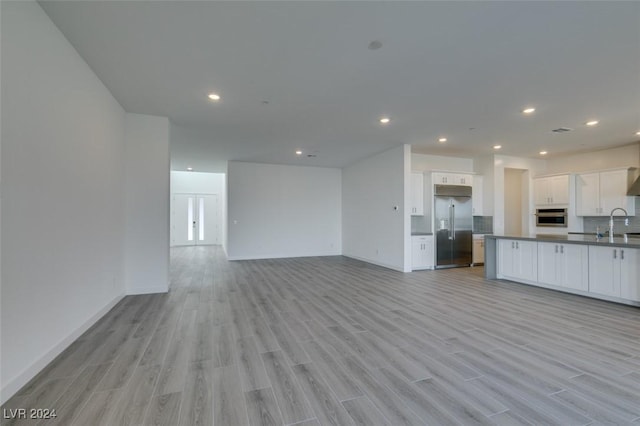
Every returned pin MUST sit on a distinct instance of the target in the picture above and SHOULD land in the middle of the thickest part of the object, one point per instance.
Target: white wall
(197, 183)
(625, 156)
(62, 189)
(423, 162)
(283, 211)
(147, 204)
(373, 229)
(203, 183)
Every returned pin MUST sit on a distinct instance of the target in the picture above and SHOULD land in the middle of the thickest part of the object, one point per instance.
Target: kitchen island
(580, 264)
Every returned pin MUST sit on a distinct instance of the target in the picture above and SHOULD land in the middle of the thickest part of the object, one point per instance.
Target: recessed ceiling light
(637, 133)
(214, 96)
(385, 120)
(592, 122)
(442, 140)
(528, 110)
(497, 146)
(190, 169)
(298, 152)
(543, 152)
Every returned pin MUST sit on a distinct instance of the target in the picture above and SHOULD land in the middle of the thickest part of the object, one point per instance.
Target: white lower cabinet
(563, 265)
(518, 260)
(615, 271)
(422, 252)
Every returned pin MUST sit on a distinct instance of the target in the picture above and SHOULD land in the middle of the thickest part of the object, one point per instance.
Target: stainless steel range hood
(634, 189)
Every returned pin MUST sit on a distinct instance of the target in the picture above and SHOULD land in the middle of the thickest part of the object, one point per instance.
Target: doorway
(195, 219)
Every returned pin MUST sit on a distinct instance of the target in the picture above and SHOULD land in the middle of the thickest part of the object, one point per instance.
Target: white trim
(147, 290)
(14, 385)
(384, 265)
(280, 256)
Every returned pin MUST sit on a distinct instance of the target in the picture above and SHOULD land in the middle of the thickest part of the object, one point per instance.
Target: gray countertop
(573, 239)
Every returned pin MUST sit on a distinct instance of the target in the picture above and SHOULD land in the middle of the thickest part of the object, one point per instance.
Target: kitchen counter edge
(571, 239)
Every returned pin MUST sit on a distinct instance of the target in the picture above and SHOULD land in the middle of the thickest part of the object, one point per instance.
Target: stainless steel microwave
(551, 217)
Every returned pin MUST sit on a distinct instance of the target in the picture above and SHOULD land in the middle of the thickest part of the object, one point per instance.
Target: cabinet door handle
(517, 245)
(615, 253)
(561, 249)
(621, 254)
(556, 248)
(513, 244)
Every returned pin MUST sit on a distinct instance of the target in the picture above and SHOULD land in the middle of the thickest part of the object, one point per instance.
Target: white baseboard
(15, 384)
(147, 290)
(281, 256)
(384, 265)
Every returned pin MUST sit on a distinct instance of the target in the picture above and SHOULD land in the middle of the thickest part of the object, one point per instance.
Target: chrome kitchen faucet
(626, 221)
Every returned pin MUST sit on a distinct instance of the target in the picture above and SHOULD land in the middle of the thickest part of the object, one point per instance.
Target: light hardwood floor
(333, 341)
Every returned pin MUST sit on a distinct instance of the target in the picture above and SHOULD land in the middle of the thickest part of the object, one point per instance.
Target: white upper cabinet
(587, 194)
(417, 194)
(613, 191)
(476, 196)
(443, 178)
(551, 190)
(598, 193)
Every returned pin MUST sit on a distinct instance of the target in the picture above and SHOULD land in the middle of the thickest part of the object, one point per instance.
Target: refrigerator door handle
(453, 220)
(450, 224)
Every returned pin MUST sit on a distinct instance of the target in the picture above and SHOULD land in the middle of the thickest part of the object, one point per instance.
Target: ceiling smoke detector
(561, 130)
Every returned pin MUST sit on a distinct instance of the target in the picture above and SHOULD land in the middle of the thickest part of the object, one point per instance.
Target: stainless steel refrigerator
(453, 223)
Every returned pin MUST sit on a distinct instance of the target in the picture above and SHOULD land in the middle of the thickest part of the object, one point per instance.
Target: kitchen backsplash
(590, 224)
(420, 224)
(483, 224)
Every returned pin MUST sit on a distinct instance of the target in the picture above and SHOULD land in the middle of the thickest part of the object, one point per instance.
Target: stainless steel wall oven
(551, 218)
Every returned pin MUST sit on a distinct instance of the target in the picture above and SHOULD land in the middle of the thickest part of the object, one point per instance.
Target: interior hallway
(336, 341)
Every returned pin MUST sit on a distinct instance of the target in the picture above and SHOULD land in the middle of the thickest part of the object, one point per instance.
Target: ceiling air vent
(561, 130)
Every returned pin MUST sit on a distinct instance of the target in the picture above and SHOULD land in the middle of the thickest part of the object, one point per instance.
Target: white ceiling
(459, 69)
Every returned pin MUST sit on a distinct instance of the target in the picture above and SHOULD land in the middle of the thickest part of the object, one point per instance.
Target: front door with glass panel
(195, 219)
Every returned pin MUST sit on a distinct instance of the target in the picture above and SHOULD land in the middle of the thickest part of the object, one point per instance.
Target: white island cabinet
(615, 271)
(518, 260)
(563, 265)
(580, 264)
